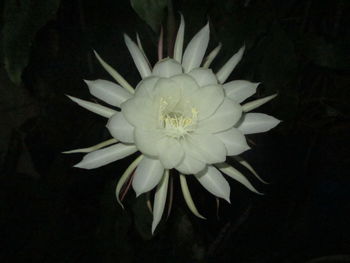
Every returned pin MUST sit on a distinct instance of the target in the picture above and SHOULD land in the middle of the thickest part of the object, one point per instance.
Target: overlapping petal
(167, 68)
(257, 122)
(240, 90)
(120, 128)
(203, 76)
(234, 141)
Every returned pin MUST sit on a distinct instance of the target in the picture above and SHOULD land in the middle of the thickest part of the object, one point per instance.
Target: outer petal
(195, 50)
(147, 175)
(203, 76)
(179, 42)
(190, 165)
(120, 128)
(239, 90)
(159, 200)
(251, 105)
(212, 55)
(230, 65)
(93, 107)
(114, 74)
(108, 91)
(212, 180)
(187, 196)
(139, 59)
(105, 156)
(206, 148)
(206, 100)
(187, 84)
(235, 142)
(167, 68)
(170, 152)
(236, 175)
(257, 122)
(146, 140)
(141, 112)
(224, 118)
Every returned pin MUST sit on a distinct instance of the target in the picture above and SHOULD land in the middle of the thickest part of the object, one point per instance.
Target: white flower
(180, 116)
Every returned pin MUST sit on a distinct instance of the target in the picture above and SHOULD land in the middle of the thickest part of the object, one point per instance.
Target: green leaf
(22, 20)
(151, 11)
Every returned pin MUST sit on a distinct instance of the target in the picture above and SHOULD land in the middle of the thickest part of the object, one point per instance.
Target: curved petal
(257, 122)
(214, 182)
(230, 65)
(120, 128)
(147, 175)
(195, 50)
(186, 83)
(146, 140)
(105, 156)
(108, 91)
(93, 107)
(170, 152)
(94, 147)
(125, 176)
(167, 68)
(139, 59)
(206, 100)
(146, 86)
(212, 55)
(159, 200)
(236, 175)
(190, 165)
(141, 112)
(179, 42)
(224, 118)
(251, 105)
(235, 142)
(118, 78)
(240, 90)
(187, 196)
(250, 168)
(206, 148)
(203, 76)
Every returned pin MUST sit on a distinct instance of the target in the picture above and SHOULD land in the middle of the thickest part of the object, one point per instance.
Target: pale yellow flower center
(176, 122)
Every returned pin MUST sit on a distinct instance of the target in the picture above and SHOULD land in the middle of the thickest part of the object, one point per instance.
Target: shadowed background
(51, 212)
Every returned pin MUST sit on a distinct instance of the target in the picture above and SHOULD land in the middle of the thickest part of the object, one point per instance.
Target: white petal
(230, 65)
(125, 176)
(167, 68)
(235, 142)
(93, 107)
(206, 148)
(203, 76)
(114, 74)
(257, 122)
(257, 103)
(188, 198)
(139, 59)
(159, 200)
(186, 83)
(146, 86)
(120, 128)
(190, 165)
(179, 42)
(236, 175)
(140, 112)
(212, 55)
(224, 118)
(105, 156)
(250, 168)
(212, 180)
(207, 100)
(146, 140)
(147, 175)
(170, 152)
(239, 90)
(141, 48)
(108, 91)
(195, 50)
(93, 148)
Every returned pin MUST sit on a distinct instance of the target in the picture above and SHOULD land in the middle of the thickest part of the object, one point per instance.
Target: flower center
(177, 121)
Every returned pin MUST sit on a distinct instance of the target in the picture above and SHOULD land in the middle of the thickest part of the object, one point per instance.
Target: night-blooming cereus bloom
(180, 116)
